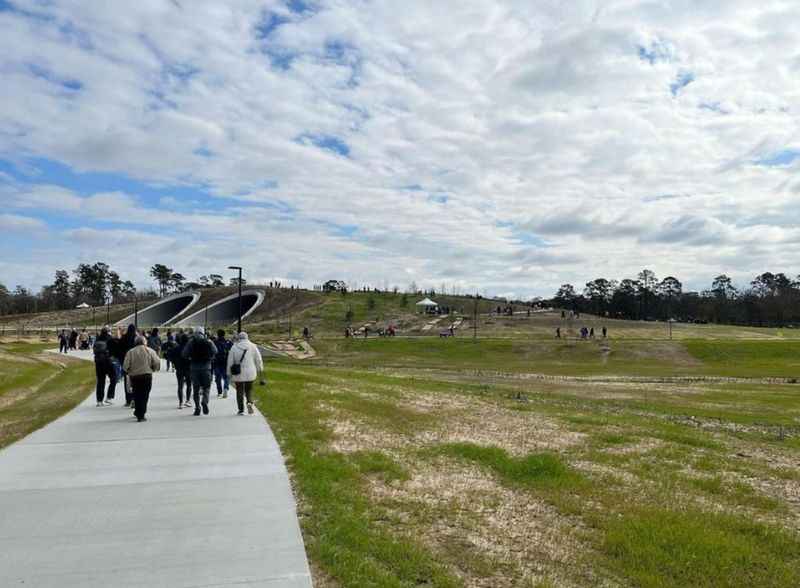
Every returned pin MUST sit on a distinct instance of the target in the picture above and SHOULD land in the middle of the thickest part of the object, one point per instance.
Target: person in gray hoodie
(200, 351)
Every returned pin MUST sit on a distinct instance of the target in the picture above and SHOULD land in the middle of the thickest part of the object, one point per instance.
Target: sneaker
(142, 419)
(196, 412)
(250, 407)
(240, 413)
(225, 394)
(219, 395)
(127, 405)
(180, 406)
(205, 408)
(99, 404)
(109, 402)
(187, 404)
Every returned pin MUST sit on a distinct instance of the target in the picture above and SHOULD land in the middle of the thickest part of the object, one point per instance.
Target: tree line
(770, 299)
(97, 284)
(93, 284)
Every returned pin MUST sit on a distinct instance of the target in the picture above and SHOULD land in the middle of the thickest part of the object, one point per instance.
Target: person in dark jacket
(181, 365)
(154, 341)
(200, 351)
(126, 343)
(221, 364)
(63, 342)
(104, 367)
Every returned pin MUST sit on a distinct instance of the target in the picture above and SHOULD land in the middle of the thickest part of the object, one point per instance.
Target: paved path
(96, 499)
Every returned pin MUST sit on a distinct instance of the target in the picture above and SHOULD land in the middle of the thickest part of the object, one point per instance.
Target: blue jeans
(221, 377)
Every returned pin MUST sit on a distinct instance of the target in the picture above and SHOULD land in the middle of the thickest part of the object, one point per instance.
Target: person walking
(181, 366)
(221, 364)
(140, 363)
(63, 342)
(244, 366)
(167, 348)
(73, 340)
(126, 343)
(154, 341)
(200, 352)
(104, 368)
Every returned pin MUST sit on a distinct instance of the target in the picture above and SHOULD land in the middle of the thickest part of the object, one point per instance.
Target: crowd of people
(197, 360)
(585, 332)
(74, 340)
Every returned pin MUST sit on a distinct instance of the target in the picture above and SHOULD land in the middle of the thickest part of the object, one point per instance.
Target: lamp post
(136, 309)
(239, 269)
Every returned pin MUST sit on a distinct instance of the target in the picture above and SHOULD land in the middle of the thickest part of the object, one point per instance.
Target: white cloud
(22, 224)
(535, 118)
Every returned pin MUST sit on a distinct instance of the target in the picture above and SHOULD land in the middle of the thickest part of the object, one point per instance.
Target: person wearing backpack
(182, 374)
(221, 364)
(200, 352)
(244, 365)
(104, 368)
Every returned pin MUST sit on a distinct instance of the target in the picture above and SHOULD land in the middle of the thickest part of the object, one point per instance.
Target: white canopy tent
(427, 304)
(83, 305)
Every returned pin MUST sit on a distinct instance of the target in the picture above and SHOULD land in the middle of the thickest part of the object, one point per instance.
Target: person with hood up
(200, 351)
(102, 350)
(181, 365)
(244, 366)
(140, 363)
(126, 343)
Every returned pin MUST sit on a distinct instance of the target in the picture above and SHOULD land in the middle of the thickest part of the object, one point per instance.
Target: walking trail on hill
(97, 499)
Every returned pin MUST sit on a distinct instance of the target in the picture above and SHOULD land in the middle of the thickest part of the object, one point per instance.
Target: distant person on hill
(154, 341)
(63, 342)
(126, 343)
(558, 332)
(306, 333)
(563, 314)
(366, 331)
(182, 374)
(244, 365)
(591, 333)
(221, 364)
(83, 340)
(104, 367)
(140, 363)
(605, 332)
(73, 340)
(200, 352)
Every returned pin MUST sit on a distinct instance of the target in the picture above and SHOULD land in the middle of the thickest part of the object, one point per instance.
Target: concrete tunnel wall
(163, 311)
(225, 312)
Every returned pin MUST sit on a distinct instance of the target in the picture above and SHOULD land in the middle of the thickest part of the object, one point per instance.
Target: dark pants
(201, 387)
(105, 369)
(221, 377)
(128, 392)
(141, 393)
(184, 381)
(62, 346)
(243, 389)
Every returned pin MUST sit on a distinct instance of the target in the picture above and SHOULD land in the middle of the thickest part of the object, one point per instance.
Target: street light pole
(136, 309)
(239, 324)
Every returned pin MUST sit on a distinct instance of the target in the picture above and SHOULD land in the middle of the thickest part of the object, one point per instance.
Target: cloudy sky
(501, 145)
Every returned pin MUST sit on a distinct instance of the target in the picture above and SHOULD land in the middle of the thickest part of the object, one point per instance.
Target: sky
(498, 146)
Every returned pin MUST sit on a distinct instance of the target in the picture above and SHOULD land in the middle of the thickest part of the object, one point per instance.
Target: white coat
(252, 364)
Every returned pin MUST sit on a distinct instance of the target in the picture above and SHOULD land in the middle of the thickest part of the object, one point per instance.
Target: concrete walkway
(97, 499)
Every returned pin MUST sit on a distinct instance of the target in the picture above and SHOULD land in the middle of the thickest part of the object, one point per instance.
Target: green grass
(344, 534)
(748, 358)
(655, 548)
(535, 470)
(42, 394)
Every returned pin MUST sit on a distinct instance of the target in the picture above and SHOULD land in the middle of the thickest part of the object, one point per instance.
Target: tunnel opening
(225, 312)
(163, 311)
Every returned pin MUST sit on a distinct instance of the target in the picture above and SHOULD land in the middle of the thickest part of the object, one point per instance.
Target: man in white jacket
(244, 366)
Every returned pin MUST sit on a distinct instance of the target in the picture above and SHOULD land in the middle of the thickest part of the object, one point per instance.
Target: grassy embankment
(36, 388)
(412, 468)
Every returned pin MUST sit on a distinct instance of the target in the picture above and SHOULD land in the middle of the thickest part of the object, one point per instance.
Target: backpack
(223, 347)
(201, 351)
(100, 349)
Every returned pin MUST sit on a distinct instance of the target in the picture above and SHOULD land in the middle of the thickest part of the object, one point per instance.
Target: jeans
(243, 389)
(184, 381)
(201, 387)
(141, 393)
(221, 377)
(62, 346)
(105, 369)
